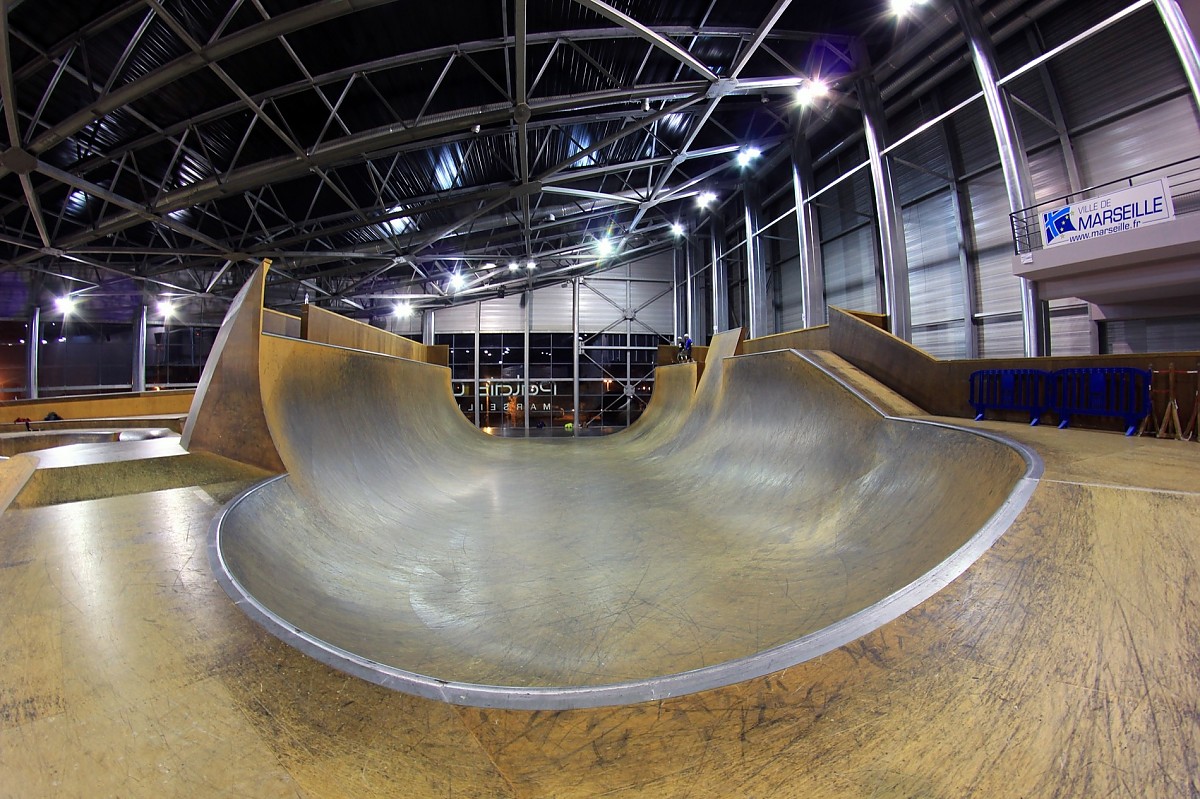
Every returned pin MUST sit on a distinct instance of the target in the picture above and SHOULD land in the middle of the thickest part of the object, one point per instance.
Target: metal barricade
(1123, 392)
(1010, 390)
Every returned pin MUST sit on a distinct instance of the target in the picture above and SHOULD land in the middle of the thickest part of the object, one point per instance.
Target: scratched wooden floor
(1064, 663)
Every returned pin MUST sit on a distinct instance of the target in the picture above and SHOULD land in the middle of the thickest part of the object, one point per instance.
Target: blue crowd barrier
(1010, 390)
(1113, 391)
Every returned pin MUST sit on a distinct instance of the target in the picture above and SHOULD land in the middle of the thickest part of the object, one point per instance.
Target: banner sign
(1137, 206)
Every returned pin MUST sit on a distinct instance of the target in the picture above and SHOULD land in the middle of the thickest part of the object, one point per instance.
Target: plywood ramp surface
(777, 507)
(1062, 663)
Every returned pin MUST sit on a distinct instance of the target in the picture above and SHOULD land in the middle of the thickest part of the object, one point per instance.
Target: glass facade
(175, 354)
(12, 360)
(82, 357)
(616, 378)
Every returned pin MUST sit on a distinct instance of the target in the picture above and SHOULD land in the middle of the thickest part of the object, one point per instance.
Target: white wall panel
(850, 274)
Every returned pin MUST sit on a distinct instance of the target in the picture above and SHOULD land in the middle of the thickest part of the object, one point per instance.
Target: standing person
(687, 346)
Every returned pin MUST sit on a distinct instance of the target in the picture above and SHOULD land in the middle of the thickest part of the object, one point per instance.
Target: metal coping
(652, 689)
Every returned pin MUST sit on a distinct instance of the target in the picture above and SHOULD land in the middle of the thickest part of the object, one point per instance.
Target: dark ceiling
(375, 148)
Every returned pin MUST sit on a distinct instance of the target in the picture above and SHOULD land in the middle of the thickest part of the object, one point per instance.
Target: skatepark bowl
(757, 520)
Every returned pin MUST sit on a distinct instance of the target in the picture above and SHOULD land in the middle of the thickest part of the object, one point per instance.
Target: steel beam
(894, 266)
(1013, 161)
(756, 270)
(646, 33)
(812, 270)
(1182, 18)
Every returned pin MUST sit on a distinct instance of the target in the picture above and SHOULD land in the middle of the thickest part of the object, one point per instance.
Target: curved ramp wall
(782, 517)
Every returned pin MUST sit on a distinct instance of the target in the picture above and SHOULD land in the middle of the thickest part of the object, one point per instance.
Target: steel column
(528, 331)
(812, 269)
(575, 345)
(478, 317)
(720, 275)
(139, 350)
(756, 270)
(1013, 161)
(1182, 18)
(32, 352)
(692, 287)
(887, 211)
(428, 327)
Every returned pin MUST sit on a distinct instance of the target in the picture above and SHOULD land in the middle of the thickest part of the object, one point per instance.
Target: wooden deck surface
(1065, 662)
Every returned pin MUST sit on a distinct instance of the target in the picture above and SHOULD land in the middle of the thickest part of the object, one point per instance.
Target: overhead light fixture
(811, 91)
(902, 8)
(457, 281)
(604, 246)
(489, 266)
(676, 229)
(514, 266)
(531, 265)
(65, 304)
(402, 310)
(166, 308)
(705, 199)
(747, 156)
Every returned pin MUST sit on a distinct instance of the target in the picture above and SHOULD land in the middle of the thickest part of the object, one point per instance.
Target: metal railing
(1183, 178)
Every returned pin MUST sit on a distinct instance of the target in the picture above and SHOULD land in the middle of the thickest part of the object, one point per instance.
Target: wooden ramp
(779, 518)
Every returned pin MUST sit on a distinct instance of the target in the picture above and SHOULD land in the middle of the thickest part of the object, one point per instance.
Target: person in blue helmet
(685, 348)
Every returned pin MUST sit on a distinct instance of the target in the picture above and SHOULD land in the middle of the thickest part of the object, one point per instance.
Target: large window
(82, 357)
(175, 354)
(616, 378)
(12, 360)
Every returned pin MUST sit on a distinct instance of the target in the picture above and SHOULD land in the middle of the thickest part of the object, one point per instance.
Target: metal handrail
(1020, 220)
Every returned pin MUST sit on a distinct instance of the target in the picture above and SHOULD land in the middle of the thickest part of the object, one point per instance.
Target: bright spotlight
(403, 310)
(531, 265)
(747, 156)
(705, 199)
(604, 246)
(457, 281)
(65, 305)
(812, 91)
(514, 266)
(676, 229)
(166, 308)
(903, 8)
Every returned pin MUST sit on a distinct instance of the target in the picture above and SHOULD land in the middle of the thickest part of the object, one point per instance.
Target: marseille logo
(1057, 223)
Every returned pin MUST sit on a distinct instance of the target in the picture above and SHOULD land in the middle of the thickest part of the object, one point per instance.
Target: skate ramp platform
(766, 518)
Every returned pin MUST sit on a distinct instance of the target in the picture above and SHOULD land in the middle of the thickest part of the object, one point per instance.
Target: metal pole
(756, 270)
(478, 315)
(720, 275)
(891, 227)
(692, 307)
(1183, 22)
(679, 310)
(528, 330)
(575, 344)
(139, 350)
(428, 327)
(32, 351)
(1013, 161)
(812, 269)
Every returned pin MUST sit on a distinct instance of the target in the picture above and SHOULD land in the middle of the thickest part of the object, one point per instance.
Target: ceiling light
(531, 265)
(514, 266)
(166, 308)
(489, 266)
(457, 281)
(705, 199)
(811, 91)
(676, 229)
(403, 310)
(903, 8)
(604, 246)
(748, 155)
(64, 304)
